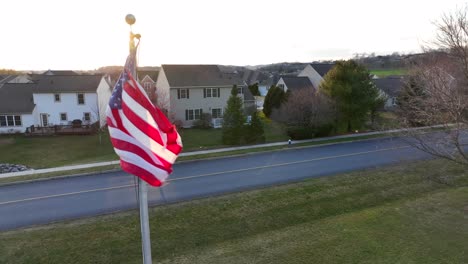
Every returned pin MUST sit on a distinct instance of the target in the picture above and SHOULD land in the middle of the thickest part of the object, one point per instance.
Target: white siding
(197, 101)
(163, 93)
(45, 104)
(282, 83)
(104, 92)
(27, 120)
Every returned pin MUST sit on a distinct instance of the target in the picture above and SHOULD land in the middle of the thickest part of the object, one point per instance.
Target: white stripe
(147, 141)
(118, 134)
(136, 160)
(111, 116)
(140, 111)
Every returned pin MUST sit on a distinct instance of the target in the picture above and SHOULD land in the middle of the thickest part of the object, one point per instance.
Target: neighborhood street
(54, 200)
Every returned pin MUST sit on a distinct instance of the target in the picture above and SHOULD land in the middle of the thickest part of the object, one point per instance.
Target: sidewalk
(192, 153)
(201, 152)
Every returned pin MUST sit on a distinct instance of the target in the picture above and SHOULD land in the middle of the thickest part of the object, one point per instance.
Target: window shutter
(188, 94)
(178, 93)
(219, 93)
(201, 112)
(204, 92)
(186, 114)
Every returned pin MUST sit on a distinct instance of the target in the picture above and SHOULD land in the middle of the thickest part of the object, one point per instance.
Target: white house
(61, 99)
(53, 100)
(188, 91)
(17, 109)
(316, 72)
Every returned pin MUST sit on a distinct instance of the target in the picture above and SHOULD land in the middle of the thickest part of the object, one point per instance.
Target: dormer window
(56, 97)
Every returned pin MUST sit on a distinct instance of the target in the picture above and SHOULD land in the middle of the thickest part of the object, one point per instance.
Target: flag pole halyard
(142, 185)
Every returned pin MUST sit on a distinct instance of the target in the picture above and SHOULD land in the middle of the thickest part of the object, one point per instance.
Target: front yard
(408, 213)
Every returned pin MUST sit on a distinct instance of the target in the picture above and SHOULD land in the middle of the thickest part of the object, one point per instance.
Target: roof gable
(153, 75)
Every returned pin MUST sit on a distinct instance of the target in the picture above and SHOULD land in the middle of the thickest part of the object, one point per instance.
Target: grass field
(410, 213)
(387, 72)
(54, 151)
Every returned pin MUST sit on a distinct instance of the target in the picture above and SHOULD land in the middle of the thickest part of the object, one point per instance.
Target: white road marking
(205, 175)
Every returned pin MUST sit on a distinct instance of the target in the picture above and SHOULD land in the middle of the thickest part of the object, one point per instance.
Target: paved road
(48, 201)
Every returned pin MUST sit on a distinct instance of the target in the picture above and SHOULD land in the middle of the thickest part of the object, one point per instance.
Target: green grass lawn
(387, 72)
(409, 213)
(54, 151)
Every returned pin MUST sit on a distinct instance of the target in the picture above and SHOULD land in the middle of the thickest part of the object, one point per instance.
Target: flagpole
(142, 185)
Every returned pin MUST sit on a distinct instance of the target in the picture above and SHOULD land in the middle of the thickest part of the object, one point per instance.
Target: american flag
(143, 137)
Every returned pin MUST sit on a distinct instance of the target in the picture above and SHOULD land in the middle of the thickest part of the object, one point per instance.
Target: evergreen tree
(273, 99)
(254, 89)
(233, 119)
(355, 95)
(254, 131)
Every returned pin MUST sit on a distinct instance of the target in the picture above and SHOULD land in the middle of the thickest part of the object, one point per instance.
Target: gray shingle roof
(392, 86)
(322, 68)
(16, 98)
(199, 75)
(297, 83)
(67, 83)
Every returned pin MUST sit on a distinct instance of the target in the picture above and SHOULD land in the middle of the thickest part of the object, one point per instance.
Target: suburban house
(316, 72)
(53, 100)
(148, 82)
(390, 87)
(291, 83)
(188, 91)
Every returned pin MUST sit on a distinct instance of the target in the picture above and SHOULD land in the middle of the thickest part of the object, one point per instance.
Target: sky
(88, 34)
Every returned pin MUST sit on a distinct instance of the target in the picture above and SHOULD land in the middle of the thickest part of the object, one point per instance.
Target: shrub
(204, 122)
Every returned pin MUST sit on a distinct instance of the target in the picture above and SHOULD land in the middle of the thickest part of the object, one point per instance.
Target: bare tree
(436, 92)
(305, 108)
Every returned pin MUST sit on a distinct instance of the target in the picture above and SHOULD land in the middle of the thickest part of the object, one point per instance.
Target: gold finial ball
(130, 19)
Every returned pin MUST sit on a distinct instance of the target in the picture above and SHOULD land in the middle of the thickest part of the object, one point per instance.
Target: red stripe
(141, 124)
(155, 112)
(127, 146)
(158, 116)
(140, 172)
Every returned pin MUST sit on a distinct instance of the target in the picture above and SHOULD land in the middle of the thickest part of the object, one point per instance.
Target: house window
(281, 86)
(87, 116)
(211, 92)
(183, 93)
(81, 99)
(216, 113)
(193, 114)
(56, 97)
(10, 120)
(63, 117)
(147, 87)
(394, 101)
(240, 90)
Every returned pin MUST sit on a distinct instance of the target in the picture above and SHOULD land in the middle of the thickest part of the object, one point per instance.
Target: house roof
(199, 75)
(6, 78)
(297, 83)
(152, 74)
(322, 68)
(67, 83)
(16, 98)
(53, 72)
(392, 86)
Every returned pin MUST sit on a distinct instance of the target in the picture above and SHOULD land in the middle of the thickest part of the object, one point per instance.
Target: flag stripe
(142, 173)
(143, 137)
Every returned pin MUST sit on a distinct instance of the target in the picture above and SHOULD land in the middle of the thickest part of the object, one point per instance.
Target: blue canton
(115, 101)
